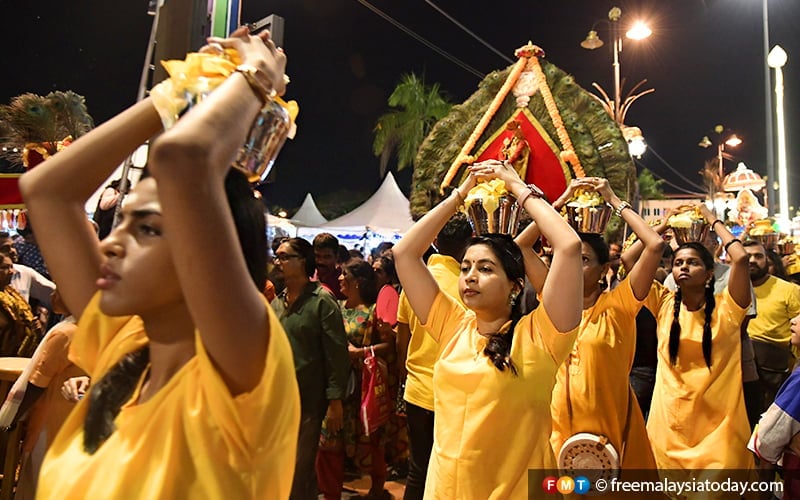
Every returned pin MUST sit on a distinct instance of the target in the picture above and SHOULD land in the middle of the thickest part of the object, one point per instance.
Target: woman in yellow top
(496, 369)
(592, 393)
(193, 392)
(697, 419)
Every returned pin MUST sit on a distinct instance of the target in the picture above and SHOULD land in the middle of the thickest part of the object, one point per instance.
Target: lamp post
(732, 140)
(616, 106)
(770, 188)
(776, 60)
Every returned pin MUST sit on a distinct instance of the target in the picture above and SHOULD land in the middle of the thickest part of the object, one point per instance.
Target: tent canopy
(308, 214)
(387, 211)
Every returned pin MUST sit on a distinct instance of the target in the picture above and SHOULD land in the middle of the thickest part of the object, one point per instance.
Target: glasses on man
(286, 257)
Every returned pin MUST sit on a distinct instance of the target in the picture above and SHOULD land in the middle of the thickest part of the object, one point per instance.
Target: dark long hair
(675, 328)
(108, 394)
(364, 275)
(498, 348)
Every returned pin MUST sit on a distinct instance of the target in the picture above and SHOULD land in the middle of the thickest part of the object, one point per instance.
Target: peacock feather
(46, 120)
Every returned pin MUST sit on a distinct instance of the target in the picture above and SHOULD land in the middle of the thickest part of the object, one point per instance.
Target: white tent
(385, 216)
(285, 225)
(386, 211)
(308, 214)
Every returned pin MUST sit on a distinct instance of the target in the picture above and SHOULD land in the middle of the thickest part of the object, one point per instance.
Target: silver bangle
(622, 206)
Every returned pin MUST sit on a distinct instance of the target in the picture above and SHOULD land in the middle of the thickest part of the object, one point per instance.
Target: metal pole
(614, 15)
(720, 148)
(768, 113)
(783, 179)
(124, 182)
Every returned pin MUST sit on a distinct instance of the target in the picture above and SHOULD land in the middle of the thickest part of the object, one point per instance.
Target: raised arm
(739, 277)
(642, 272)
(418, 283)
(190, 162)
(535, 268)
(566, 266)
(56, 191)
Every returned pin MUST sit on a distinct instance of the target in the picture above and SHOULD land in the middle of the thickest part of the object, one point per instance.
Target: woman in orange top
(496, 368)
(698, 426)
(592, 392)
(193, 392)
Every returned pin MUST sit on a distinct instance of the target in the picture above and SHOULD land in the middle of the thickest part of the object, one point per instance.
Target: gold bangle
(249, 73)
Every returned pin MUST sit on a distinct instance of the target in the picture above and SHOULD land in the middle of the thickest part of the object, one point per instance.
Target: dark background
(705, 59)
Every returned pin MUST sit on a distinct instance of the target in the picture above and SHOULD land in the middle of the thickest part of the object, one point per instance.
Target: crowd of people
(206, 370)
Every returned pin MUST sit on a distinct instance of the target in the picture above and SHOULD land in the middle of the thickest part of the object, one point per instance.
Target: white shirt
(30, 283)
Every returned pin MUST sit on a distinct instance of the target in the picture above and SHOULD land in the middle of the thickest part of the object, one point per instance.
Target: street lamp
(770, 191)
(776, 60)
(616, 107)
(732, 140)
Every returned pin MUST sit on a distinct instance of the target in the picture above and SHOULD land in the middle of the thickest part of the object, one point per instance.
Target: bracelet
(524, 198)
(715, 221)
(249, 73)
(533, 190)
(735, 240)
(622, 206)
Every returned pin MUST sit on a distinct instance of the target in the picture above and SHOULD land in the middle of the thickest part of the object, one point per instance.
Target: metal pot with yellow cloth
(491, 208)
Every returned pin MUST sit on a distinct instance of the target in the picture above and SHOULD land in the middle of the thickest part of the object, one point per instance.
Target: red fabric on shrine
(9, 191)
(544, 168)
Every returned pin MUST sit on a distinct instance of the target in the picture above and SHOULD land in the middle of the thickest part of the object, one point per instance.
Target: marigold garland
(528, 59)
(568, 153)
(464, 156)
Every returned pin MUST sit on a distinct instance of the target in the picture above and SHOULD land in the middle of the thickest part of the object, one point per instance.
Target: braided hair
(498, 347)
(710, 301)
(107, 395)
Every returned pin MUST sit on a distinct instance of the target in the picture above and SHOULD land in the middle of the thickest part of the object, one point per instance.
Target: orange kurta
(491, 427)
(192, 439)
(599, 390)
(697, 418)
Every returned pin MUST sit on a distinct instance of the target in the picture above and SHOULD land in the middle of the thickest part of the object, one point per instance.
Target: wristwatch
(533, 190)
(254, 77)
(537, 192)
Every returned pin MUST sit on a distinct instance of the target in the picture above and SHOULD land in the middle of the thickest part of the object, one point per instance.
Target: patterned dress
(359, 325)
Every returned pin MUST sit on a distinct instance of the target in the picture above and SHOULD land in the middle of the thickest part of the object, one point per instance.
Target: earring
(512, 297)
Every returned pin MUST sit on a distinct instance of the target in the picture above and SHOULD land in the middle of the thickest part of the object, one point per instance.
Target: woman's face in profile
(137, 275)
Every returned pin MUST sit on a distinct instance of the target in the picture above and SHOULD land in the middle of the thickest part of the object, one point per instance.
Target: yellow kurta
(491, 427)
(191, 440)
(599, 389)
(697, 417)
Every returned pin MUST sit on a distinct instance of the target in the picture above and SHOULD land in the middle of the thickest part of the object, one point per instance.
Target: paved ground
(361, 487)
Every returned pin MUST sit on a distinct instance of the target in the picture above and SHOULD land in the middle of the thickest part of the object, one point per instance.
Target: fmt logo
(566, 484)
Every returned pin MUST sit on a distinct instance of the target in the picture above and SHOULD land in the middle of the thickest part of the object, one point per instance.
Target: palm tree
(416, 108)
(650, 187)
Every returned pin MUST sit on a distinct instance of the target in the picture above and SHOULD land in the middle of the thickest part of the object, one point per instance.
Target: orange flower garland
(528, 58)
(568, 153)
(464, 156)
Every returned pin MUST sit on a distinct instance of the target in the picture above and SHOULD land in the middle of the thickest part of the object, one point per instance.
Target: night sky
(705, 60)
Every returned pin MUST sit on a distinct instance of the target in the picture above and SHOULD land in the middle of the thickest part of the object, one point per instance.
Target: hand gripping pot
(193, 79)
(491, 208)
(590, 455)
